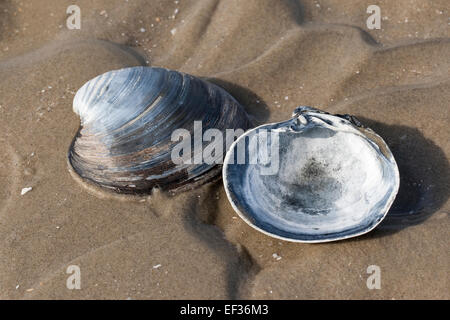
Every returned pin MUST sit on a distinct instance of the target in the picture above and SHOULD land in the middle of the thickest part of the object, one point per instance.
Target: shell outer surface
(128, 117)
(329, 178)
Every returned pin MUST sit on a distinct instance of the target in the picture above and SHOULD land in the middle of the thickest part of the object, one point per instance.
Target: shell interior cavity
(328, 178)
(128, 118)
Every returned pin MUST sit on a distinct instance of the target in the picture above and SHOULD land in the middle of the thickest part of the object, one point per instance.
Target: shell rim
(244, 217)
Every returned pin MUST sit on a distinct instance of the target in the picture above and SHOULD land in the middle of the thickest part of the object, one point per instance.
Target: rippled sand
(272, 56)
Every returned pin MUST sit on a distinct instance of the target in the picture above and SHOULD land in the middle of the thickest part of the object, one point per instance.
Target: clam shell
(127, 119)
(328, 178)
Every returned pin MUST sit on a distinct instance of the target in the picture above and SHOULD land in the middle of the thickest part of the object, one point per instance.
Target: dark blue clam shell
(127, 120)
(327, 178)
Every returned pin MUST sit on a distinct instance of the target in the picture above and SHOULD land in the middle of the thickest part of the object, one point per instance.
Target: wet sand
(272, 56)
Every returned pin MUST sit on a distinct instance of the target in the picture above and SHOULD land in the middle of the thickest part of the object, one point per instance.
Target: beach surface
(272, 56)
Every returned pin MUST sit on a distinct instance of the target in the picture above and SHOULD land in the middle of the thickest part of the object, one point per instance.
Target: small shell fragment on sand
(276, 256)
(25, 190)
(157, 266)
